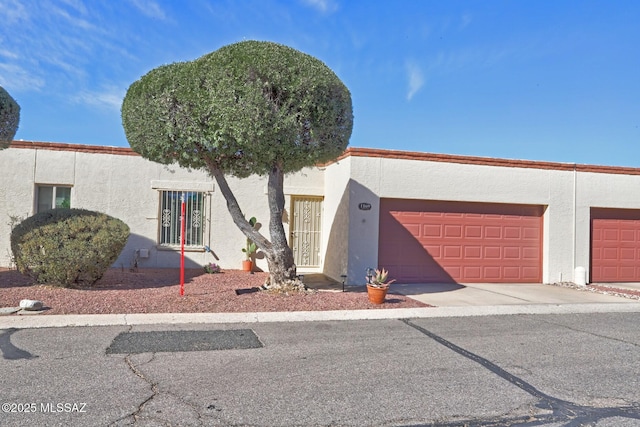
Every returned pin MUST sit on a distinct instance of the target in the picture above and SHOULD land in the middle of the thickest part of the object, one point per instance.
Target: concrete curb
(59, 321)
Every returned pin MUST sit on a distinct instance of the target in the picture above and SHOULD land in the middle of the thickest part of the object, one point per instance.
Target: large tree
(9, 118)
(248, 108)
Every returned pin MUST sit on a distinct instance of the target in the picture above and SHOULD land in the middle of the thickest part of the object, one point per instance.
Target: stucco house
(425, 217)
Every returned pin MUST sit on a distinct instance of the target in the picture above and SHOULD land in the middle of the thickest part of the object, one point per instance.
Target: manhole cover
(178, 341)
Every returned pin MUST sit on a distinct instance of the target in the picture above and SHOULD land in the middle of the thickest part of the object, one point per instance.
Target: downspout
(579, 272)
(575, 219)
(34, 206)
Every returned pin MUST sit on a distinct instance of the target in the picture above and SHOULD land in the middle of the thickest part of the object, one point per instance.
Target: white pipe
(575, 207)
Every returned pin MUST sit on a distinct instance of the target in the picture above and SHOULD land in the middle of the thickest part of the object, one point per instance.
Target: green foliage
(243, 109)
(379, 279)
(9, 118)
(251, 247)
(67, 246)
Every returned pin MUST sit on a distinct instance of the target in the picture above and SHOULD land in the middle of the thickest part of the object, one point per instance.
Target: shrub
(212, 268)
(67, 246)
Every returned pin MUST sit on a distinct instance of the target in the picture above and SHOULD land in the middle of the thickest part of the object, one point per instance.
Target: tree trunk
(282, 269)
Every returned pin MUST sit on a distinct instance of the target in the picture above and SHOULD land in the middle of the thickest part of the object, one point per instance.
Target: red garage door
(427, 241)
(615, 245)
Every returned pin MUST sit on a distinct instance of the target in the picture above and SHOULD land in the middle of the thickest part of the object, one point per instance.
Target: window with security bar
(170, 210)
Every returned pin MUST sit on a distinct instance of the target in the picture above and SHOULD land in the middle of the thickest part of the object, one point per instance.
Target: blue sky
(544, 80)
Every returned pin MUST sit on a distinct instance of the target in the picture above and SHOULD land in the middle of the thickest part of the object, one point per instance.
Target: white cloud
(150, 8)
(324, 6)
(20, 79)
(7, 53)
(109, 98)
(77, 5)
(415, 79)
(13, 11)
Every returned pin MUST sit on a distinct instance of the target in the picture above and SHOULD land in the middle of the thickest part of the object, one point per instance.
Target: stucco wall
(124, 185)
(566, 194)
(601, 191)
(336, 220)
(127, 187)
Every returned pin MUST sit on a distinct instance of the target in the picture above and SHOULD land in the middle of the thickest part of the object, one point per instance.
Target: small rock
(31, 305)
(5, 311)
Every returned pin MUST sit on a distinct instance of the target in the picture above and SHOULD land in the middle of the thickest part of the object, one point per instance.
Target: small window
(170, 211)
(53, 197)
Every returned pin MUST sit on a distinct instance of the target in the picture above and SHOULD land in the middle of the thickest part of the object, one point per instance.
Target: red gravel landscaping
(158, 291)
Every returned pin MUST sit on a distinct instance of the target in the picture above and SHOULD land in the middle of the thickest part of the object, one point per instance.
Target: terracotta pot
(376, 295)
(247, 265)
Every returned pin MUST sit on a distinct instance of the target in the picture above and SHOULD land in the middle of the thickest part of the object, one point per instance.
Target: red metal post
(183, 211)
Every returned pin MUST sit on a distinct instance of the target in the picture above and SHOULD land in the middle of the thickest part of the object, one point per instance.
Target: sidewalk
(489, 294)
(450, 300)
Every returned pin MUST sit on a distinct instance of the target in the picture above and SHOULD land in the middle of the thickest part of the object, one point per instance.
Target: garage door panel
(453, 231)
(530, 253)
(452, 252)
(627, 273)
(473, 232)
(491, 273)
(610, 254)
(627, 254)
(473, 273)
(414, 229)
(627, 235)
(493, 216)
(434, 251)
(512, 233)
(492, 232)
(615, 245)
(531, 233)
(511, 252)
(492, 252)
(464, 242)
(530, 273)
(512, 273)
(471, 252)
(430, 230)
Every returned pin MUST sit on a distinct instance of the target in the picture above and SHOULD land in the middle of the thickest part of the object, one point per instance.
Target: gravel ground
(158, 291)
(603, 289)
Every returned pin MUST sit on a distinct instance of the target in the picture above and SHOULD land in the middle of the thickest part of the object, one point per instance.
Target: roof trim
(368, 152)
(483, 161)
(78, 148)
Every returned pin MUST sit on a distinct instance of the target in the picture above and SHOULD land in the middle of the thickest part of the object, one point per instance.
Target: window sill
(177, 248)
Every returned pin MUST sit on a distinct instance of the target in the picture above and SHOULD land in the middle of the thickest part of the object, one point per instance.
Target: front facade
(424, 217)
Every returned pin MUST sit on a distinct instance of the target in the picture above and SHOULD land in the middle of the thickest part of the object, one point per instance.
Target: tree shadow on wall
(405, 257)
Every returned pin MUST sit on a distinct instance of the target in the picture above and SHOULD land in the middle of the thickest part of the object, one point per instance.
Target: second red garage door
(615, 245)
(431, 241)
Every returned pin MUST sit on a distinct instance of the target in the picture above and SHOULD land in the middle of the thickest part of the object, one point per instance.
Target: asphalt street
(527, 370)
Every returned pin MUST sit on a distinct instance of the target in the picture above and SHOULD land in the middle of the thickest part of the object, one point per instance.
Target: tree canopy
(247, 108)
(9, 118)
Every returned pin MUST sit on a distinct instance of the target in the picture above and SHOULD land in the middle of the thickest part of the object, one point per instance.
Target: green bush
(67, 246)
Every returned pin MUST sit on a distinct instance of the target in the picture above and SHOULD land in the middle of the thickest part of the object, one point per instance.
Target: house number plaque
(364, 206)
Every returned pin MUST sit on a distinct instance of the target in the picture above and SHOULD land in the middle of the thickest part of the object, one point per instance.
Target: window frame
(169, 205)
(53, 202)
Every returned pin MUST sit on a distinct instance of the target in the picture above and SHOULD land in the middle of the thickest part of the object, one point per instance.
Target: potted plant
(377, 285)
(249, 249)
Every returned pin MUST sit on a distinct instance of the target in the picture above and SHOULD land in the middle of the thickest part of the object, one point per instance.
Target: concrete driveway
(491, 294)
